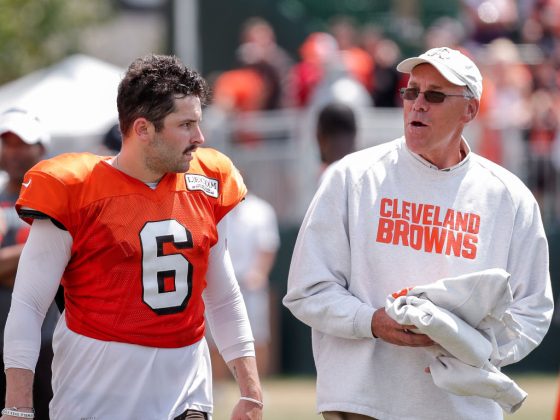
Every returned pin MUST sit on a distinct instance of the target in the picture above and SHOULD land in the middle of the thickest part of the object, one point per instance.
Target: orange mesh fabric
(139, 256)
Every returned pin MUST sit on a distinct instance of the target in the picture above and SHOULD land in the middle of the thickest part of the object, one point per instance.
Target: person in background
(259, 83)
(359, 63)
(259, 48)
(323, 75)
(3, 225)
(112, 141)
(336, 133)
(253, 228)
(242, 89)
(387, 79)
(411, 213)
(488, 20)
(253, 233)
(318, 51)
(24, 143)
(139, 242)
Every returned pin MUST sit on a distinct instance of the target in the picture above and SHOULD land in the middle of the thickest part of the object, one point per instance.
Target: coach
(409, 213)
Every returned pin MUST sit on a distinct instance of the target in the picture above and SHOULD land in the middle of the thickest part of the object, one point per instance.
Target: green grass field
(293, 398)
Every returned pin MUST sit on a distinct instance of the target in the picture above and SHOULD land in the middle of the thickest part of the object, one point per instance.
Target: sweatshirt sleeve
(320, 269)
(532, 305)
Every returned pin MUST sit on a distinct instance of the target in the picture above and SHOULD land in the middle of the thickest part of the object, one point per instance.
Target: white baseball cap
(452, 64)
(24, 125)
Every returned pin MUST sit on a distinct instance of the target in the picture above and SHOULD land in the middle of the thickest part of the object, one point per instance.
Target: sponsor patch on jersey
(202, 183)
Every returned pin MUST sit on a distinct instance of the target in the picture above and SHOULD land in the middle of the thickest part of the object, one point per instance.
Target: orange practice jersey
(139, 256)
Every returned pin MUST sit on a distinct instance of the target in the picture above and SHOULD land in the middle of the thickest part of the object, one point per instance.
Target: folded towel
(487, 382)
(449, 331)
(463, 315)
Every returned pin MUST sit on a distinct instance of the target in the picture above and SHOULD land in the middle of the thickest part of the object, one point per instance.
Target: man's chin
(414, 143)
(184, 167)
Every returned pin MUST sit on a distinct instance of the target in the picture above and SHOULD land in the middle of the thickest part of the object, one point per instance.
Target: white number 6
(157, 267)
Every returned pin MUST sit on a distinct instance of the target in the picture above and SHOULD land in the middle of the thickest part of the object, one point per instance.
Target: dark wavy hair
(151, 85)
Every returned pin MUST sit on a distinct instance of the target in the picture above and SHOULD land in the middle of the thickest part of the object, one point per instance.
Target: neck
(134, 169)
(462, 154)
(447, 159)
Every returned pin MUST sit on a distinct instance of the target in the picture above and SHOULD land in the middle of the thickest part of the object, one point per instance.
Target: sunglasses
(432, 96)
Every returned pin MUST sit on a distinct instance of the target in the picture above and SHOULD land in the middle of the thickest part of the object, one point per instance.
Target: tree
(36, 33)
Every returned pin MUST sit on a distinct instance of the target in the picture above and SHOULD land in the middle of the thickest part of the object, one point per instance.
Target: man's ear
(142, 128)
(472, 109)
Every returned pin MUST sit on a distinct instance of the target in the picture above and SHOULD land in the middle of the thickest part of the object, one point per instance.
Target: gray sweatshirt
(385, 219)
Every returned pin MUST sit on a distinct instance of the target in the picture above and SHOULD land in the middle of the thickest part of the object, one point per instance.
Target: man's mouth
(417, 124)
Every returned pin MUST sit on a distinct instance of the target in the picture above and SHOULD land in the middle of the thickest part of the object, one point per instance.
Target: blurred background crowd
(273, 65)
(516, 44)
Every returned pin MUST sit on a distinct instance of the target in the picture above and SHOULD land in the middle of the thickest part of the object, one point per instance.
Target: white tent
(75, 99)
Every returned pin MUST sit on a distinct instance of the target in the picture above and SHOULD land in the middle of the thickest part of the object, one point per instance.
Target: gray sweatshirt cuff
(362, 321)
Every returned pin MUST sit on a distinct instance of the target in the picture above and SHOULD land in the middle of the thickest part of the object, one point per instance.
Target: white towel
(487, 382)
(472, 297)
(449, 331)
(461, 314)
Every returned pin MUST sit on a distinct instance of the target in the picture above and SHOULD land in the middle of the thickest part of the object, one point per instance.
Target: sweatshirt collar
(465, 148)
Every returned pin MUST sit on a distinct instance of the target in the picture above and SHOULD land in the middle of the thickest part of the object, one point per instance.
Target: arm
(530, 284)
(320, 269)
(43, 260)
(228, 321)
(318, 291)
(19, 392)
(244, 370)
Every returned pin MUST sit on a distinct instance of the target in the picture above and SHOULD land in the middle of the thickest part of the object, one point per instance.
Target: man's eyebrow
(430, 87)
(189, 120)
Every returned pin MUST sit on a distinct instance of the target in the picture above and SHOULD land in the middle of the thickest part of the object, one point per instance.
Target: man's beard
(161, 159)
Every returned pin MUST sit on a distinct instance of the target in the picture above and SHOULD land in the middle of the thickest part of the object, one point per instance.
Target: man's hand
(244, 370)
(387, 329)
(246, 410)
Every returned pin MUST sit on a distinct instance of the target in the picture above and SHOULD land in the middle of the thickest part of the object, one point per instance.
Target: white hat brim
(407, 65)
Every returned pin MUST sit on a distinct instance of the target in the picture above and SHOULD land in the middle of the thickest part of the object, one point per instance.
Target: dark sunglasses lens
(434, 97)
(409, 94)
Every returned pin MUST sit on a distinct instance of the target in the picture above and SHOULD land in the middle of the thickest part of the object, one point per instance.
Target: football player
(138, 242)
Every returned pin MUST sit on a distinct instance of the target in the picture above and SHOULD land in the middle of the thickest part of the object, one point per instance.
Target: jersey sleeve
(42, 194)
(232, 189)
(53, 189)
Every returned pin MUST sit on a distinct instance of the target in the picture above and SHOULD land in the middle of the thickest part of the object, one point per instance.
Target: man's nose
(420, 103)
(199, 136)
